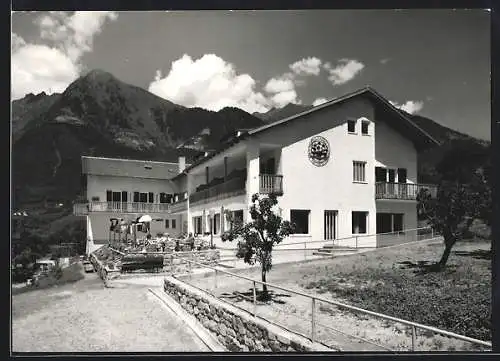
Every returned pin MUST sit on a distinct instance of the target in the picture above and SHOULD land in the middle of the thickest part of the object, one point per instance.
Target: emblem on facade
(319, 151)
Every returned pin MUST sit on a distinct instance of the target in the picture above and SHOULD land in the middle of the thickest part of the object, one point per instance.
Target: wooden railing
(227, 189)
(384, 190)
(271, 184)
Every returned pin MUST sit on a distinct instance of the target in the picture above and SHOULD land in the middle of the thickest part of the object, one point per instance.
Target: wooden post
(413, 337)
(254, 300)
(313, 321)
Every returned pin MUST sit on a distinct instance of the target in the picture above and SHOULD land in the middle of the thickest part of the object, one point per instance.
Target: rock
(275, 346)
(222, 329)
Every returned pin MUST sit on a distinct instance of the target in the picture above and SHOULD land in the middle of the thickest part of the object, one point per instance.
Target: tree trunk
(265, 292)
(446, 254)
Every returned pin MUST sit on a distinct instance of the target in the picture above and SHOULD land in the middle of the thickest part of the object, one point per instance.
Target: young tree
(463, 195)
(258, 237)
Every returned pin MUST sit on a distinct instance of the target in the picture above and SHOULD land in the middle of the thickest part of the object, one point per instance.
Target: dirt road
(87, 317)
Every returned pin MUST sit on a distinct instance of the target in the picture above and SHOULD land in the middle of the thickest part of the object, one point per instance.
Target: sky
(430, 62)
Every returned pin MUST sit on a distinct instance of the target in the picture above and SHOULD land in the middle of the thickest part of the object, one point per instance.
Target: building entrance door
(330, 225)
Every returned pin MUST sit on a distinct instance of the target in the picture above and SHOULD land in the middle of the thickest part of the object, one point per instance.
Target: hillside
(100, 115)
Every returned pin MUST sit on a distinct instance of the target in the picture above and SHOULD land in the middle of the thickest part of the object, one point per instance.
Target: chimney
(182, 164)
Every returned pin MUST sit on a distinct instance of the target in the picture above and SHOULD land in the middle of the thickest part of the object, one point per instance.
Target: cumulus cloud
(208, 82)
(51, 67)
(345, 70)
(411, 106)
(307, 66)
(319, 101)
(281, 84)
(384, 61)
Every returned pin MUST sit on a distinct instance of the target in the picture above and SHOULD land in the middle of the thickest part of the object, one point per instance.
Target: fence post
(313, 323)
(413, 337)
(356, 241)
(254, 300)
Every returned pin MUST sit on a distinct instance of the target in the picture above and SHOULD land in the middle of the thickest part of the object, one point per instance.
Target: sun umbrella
(145, 219)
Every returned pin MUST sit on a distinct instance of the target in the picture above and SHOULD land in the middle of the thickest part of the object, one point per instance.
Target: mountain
(25, 110)
(100, 115)
(282, 113)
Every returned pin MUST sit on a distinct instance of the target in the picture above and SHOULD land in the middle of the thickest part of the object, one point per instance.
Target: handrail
(344, 238)
(349, 307)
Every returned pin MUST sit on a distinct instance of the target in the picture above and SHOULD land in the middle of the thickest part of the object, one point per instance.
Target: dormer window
(364, 127)
(351, 126)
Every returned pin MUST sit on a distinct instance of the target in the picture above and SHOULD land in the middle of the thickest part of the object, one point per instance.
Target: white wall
(331, 186)
(97, 186)
(100, 222)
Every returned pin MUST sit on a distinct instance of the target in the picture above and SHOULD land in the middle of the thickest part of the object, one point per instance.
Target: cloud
(208, 82)
(307, 66)
(319, 101)
(37, 68)
(384, 61)
(345, 71)
(51, 67)
(411, 106)
(284, 83)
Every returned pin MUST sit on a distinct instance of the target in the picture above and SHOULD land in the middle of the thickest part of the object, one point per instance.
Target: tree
(258, 237)
(463, 195)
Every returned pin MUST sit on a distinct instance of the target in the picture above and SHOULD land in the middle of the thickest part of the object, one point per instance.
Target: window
(216, 223)
(389, 222)
(380, 174)
(151, 197)
(351, 126)
(300, 219)
(358, 170)
(359, 222)
(174, 223)
(136, 197)
(398, 222)
(197, 222)
(401, 175)
(95, 199)
(167, 223)
(143, 197)
(364, 127)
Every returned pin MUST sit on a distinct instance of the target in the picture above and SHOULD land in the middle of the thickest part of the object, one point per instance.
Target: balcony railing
(120, 207)
(230, 188)
(405, 191)
(271, 184)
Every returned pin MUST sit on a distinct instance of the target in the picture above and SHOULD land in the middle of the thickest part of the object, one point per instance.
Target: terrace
(402, 191)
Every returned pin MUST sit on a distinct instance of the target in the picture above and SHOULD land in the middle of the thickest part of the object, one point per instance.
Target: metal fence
(327, 321)
(307, 250)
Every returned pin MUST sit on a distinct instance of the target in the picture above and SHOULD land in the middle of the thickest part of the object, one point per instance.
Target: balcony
(402, 191)
(230, 188)
(121, 207)
(271, 184)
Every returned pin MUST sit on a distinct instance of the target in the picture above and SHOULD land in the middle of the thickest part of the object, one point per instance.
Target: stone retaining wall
(102, 270)
(175, 263)
(236, 329)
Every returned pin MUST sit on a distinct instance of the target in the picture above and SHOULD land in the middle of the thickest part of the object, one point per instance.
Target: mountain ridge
(100, 115)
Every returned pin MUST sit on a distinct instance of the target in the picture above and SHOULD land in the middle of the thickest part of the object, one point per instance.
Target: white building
(344, 168)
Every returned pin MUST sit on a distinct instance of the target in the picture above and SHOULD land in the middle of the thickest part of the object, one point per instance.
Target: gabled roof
(419, 136)
(129, 168)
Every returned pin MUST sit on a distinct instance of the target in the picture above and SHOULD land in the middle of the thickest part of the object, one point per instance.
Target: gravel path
(87, 317)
